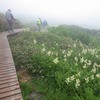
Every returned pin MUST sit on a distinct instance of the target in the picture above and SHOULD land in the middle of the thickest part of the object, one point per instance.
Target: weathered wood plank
(13, 97)
(9, 85)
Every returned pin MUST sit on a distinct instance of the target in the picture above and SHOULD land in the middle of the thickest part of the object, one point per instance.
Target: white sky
(84, 13)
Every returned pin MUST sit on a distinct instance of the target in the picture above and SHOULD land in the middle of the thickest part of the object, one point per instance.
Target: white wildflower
(55, 60)
(92, 51)
(82, 60)
(43, 50)
(79, 74)
(72, 77)
(69, 46)
(49, 53)
(56, 44)
(97, 56)
(43, 44)
(74, 45)
(94, 65)
(85, 61)
(81, 44)
(76, 59)
(69, 53)
(77, 83)
(94, 70)
(89, 62)
(84, 66)
(65, 56)
(68, 80)
(63, 51)
(34, 41)
(98, 65)
(98, 75)
(65, 59)
(92, 77)
(87, 79)
(84, 51)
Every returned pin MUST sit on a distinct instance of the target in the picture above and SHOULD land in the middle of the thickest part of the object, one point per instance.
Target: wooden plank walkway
(9, 85)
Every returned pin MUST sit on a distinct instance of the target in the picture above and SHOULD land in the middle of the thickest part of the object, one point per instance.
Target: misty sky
(85, 13)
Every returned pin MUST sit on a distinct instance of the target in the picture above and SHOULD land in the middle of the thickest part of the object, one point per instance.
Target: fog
(85, 13)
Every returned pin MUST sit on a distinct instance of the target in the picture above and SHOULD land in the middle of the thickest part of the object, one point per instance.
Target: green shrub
(26, 90)
(70, 66)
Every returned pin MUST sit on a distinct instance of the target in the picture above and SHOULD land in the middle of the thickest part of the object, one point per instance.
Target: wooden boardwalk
(9, 85)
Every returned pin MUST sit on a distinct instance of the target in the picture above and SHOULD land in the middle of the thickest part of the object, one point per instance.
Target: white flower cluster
(87, 65)
(87, 79)
(55, 60)
(69, 53)
(43, 49)
(74, 45)
(76, 59)
(77, 83)
(84, 51)
(49, 53)
(34, 41)
(98, 75)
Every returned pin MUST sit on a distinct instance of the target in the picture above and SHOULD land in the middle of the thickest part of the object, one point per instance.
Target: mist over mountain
(71, 12)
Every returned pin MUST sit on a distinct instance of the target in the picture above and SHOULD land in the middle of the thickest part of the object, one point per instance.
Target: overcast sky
(85, 13)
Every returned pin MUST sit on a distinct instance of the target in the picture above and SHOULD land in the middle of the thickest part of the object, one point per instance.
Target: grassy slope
(23, 49)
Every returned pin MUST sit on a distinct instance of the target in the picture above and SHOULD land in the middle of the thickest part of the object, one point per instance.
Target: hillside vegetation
(4, 24)
(64, 62)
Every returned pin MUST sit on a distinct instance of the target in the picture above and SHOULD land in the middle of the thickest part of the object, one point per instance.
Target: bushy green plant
(26, 90)
(73, 68)
(73, 32)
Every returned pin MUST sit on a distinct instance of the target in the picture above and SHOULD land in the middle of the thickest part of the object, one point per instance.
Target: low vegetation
(63, 63)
